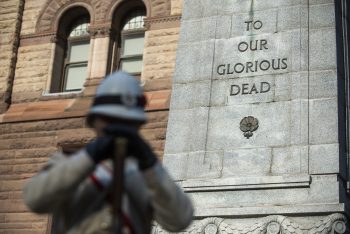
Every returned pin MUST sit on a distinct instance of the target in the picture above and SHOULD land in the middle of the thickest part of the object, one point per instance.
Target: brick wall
(24, 148)
(30, 15)
(10, 22)
(31, 72)
(159, 54)
(176, 7)
(34, 125)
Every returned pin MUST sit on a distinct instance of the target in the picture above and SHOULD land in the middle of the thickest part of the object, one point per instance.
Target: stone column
(99, 53)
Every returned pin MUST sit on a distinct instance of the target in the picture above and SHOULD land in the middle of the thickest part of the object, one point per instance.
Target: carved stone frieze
(274, 224)
(40, 38)
(154, 23)
(100, 31)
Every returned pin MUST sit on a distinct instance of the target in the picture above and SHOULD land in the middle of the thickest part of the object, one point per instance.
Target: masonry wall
(10, 23)
(34, 125)
(24, 149)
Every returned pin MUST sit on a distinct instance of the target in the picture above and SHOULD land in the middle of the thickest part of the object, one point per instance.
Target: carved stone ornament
(100, 32)
(248, 125)
(274, 224)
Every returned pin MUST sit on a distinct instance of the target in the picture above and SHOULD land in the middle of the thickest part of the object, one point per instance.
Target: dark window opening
(129, 38)
(72, 53)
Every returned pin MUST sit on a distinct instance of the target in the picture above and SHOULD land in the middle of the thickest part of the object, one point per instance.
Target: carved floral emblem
(248, 125)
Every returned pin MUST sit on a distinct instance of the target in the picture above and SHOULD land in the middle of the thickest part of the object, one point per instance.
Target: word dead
(245, 89)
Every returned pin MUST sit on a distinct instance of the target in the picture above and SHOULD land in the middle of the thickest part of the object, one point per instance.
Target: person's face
(99, 124)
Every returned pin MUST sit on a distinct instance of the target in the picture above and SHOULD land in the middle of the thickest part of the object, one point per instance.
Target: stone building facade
(34, 121)
(259, 147)
(258, 131)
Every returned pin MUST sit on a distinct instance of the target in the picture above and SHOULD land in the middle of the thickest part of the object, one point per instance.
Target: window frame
(71, 20)
(123, 35)
(118, 36)
(66, 64)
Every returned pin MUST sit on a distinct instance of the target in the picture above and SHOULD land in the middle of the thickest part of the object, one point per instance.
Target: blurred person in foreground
(77, 189)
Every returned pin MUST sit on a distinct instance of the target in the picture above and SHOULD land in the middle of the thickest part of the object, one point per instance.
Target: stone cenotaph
(253, 131)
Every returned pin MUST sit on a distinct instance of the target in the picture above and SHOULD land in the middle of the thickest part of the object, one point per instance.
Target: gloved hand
(101, 148)
(137, 147)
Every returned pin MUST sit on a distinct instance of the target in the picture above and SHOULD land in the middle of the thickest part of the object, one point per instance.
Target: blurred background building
(53, 54)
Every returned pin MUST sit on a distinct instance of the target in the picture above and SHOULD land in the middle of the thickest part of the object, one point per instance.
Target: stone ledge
(37, 39)
(295, 209)
(243, 183)
(156, 23)
(71, 108)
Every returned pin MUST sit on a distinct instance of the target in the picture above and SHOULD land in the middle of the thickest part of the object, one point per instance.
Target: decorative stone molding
(334, 224)
(274, 224)
(100, 31)
(115, 4)
(101, 11)
(40, 38)
(154, 23)
(52, 11)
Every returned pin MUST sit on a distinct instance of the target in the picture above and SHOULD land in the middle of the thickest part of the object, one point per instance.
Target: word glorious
(251, 67)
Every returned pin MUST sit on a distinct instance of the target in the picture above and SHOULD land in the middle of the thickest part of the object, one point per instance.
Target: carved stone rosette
(274, 224)
(248, 125)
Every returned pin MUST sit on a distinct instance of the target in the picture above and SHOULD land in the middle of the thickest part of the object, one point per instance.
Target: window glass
(80, 28)
(72, 52)
(75, 77)
(79, 52)
(78, 49)
(132, 39)
(133, 45)
(135, 20)
(131, 66)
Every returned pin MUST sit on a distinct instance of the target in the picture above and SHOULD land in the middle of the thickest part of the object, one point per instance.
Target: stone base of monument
(273, 224)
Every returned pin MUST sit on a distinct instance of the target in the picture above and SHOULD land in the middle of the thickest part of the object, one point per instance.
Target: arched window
(72, 52)
(77, 54)
(129, 34)
(132, 41)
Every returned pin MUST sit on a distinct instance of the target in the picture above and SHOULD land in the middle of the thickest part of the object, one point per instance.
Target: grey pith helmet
(119, 95)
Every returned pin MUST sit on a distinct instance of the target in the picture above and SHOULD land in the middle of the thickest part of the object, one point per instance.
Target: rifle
(118, 183)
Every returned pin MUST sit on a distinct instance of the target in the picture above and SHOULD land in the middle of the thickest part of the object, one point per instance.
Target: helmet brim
(136, 114)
